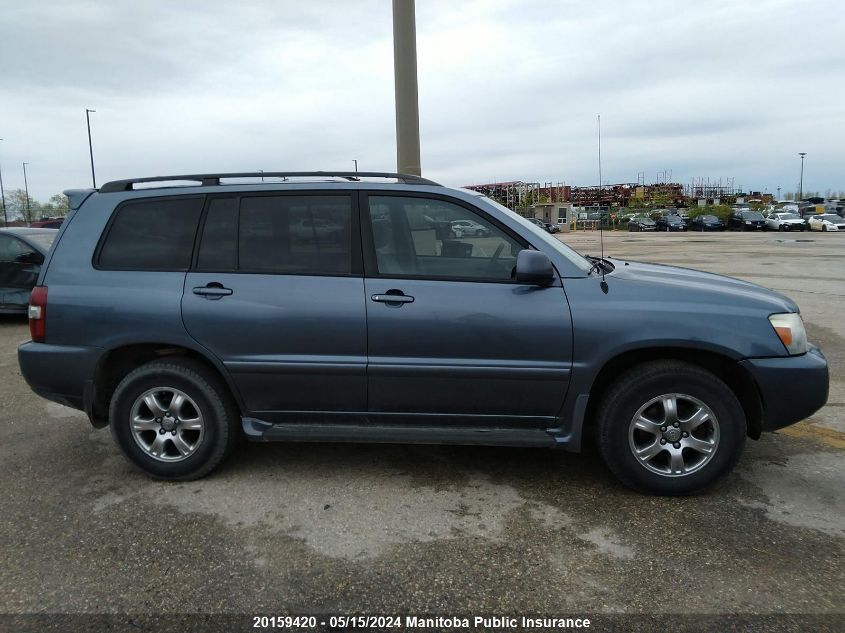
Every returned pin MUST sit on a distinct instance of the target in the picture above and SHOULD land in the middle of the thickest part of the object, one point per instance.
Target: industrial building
(518, 194)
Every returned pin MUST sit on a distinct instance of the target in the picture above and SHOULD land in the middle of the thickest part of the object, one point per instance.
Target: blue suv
(320, 306)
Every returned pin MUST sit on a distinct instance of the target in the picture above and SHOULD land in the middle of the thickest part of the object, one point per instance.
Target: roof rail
(207, 180)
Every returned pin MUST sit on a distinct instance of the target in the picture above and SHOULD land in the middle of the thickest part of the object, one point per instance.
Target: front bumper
(792, 388)
(60, 373)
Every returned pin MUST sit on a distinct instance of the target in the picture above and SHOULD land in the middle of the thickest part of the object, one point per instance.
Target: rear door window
(219, 245)
(153, 234)
(285, 234)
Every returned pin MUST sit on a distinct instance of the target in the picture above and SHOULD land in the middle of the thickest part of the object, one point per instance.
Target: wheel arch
(727, 369)
(116, 363)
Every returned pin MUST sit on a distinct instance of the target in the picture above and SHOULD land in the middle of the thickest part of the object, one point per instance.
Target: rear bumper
(59, 372)
(792, 388)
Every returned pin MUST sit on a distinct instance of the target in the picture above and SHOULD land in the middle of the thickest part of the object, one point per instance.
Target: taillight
(38, 313)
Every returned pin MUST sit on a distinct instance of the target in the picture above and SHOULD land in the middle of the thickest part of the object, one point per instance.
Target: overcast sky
(509, 90)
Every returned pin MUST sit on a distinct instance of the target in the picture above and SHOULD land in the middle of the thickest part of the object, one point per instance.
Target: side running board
(260, 431)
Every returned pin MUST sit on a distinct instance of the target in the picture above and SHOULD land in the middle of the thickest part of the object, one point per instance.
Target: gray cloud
(508, 89)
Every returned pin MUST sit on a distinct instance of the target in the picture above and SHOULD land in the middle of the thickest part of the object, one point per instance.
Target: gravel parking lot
(386, 529)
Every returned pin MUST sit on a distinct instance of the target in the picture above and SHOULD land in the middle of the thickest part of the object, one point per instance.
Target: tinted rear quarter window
(153, 234)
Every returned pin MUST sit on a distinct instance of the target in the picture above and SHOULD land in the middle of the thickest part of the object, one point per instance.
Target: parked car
(551, 228)
(744, 220)
(706, 223)
(807, 211)
(47, 223)
(213, 323)
(785, 222)
(22, 252)
(671, 223)
(662, 213)
(642, 223)
(466, 228)
(826, 222)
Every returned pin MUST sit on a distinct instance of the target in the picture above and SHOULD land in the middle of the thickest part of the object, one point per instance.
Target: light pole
(355, 160)
(26, 190)
(801, 182)
(90, 146)
(3, 199)
(405, 83)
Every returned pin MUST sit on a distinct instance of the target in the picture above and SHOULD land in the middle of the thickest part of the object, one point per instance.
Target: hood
(703, 287)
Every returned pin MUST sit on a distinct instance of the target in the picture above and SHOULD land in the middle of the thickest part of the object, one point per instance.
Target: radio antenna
(601, 216)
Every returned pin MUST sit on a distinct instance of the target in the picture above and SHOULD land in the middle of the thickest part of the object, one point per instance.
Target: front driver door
(449, 333)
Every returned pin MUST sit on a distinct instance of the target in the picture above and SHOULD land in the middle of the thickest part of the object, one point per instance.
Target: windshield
(788, 216)
(44, 240)
(674, 219)
(709, 218)
(833, 218)
(752, 215)
(573, 256)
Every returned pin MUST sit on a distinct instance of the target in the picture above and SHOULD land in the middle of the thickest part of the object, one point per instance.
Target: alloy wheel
(674, 435)
(166, 424)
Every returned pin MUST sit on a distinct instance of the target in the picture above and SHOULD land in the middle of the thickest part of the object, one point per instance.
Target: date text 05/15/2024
(364, 622)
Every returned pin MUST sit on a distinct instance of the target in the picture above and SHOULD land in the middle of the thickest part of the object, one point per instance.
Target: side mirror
(534, 267)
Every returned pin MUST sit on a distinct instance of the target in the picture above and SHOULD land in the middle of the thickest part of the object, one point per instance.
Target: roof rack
(208, 180)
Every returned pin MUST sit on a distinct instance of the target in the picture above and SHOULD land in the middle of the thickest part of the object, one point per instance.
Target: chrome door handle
(390, 298)
(212, 291)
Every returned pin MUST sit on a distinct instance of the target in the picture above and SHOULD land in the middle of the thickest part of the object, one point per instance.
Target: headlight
(748, 221)
(790, 330)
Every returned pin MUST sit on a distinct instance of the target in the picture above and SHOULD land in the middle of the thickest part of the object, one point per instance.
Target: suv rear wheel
(174, 419)
(668, 427)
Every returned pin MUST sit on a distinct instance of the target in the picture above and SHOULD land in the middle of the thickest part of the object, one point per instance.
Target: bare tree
(21, 207)
(57, 206)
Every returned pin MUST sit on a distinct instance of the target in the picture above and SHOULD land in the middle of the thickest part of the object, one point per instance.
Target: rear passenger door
(276, 292)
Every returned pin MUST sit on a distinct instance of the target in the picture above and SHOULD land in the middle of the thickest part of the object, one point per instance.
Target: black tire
(220, 416)
(638, 386)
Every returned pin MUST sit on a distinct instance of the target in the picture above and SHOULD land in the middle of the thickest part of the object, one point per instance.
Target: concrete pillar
(405, 78)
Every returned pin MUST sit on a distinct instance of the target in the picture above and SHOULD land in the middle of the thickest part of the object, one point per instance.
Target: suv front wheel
(174, 419)
(668, 427)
